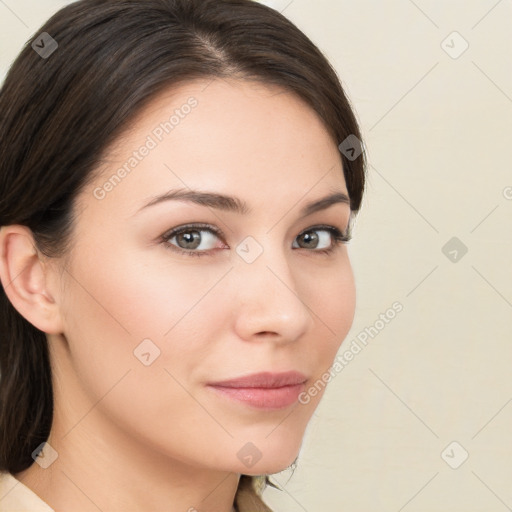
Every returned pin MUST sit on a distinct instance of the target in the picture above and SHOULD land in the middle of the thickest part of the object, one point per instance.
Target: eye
(194, 240)
(322, 239)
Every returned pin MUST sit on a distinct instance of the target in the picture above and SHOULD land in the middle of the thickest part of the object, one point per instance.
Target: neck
(101, 473)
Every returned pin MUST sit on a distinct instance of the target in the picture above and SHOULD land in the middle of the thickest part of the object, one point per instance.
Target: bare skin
(137, 437)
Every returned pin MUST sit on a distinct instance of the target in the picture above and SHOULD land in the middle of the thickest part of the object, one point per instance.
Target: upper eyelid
(198, 226)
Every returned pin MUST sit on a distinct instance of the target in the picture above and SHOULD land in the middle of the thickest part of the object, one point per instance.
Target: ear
(25, 277)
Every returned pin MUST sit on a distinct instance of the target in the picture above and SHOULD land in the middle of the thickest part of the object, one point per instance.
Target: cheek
(333, 305)
(332, 301)
(124, 299)
(137, 307)
(110, 312)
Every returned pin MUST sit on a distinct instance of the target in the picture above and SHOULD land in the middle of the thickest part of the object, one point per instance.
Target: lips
(264, 380)
(263, 390)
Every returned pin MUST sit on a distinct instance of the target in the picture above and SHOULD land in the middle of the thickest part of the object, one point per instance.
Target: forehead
(249, 139)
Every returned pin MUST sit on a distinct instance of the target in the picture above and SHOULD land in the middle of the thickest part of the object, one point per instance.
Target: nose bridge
(269, 300)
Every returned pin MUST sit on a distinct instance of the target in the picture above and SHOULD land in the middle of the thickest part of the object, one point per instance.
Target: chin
(268, 460)
(266, 469)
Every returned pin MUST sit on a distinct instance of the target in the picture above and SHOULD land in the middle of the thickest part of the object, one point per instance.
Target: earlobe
(24, 277)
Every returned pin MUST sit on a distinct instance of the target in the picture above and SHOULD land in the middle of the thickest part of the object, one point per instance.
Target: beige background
(438, 135)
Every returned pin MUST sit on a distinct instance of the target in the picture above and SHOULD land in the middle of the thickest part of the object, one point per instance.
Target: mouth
(263, 390)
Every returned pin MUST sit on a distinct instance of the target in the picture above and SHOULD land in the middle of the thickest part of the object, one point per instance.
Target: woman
(178, 180)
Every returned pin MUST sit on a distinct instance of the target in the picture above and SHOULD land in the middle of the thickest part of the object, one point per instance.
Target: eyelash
(339, 238)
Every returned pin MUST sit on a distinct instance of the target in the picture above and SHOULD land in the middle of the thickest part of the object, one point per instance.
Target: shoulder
(17, 497)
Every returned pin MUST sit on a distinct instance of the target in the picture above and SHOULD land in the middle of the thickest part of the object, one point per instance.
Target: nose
(268, 302)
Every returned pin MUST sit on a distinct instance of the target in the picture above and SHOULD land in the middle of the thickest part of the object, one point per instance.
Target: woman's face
(149, 320)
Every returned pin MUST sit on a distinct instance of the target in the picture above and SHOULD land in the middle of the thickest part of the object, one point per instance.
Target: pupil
(311, 239)
(191, 239)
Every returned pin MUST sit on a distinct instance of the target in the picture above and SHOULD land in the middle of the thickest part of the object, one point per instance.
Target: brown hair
(59, 113)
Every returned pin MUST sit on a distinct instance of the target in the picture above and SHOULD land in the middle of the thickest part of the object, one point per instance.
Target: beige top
(15, 496)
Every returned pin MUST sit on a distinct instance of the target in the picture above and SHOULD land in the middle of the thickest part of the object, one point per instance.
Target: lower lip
(263, 398)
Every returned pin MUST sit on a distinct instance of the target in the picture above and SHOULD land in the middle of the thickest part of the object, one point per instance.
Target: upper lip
(263, 380)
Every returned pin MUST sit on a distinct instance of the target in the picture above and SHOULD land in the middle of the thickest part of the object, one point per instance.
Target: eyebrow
(233, 204)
